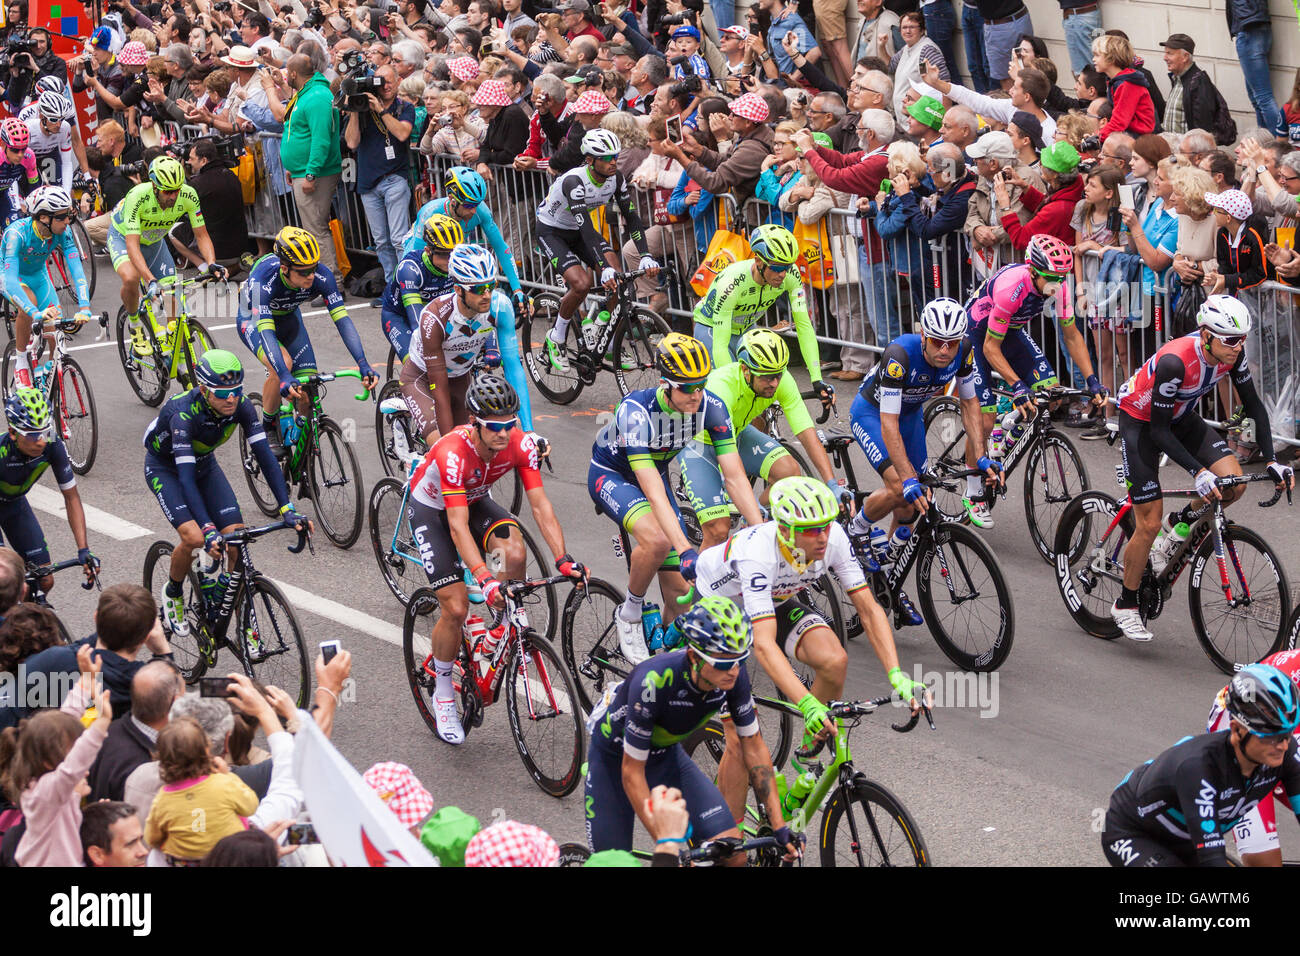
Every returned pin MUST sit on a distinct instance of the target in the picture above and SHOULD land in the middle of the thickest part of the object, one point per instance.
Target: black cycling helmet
(1264, 700)
(491, 396)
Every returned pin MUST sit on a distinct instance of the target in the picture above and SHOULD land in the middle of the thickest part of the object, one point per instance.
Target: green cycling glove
(907, 688)
(816, 715)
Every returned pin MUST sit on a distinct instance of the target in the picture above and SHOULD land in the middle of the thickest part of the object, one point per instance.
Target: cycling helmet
(1049, 254)
(943, 319)
(52, 83)
(1224, 315)
(465, 185)
(53, 107)
(763, 352)
(167, 173)
(27, 412)
(682, 360)
(218, 368)
(296, 248)
(471, 264)
(48, 199)
(491, 395)
(716, 626)
(775, 245)
(1264, 699)
(600, 143)
(443, 232)
(14, 133)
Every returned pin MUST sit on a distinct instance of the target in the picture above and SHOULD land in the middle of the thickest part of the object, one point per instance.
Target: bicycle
(267, 641)
(38, 595)
(617, 336)
(158, 353)
(56, 267)
(1255, 596)
(63, 383)
(319, 460)
(1054, 471)
(890, 836)
(539, 692)
(767, 851)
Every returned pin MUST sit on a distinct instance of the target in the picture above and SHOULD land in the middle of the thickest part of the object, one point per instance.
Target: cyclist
(745, 290)
(181, 469)
(1174, 810)
(1157, 414)
(748, 387)
(420, 276)
(30, 447)
(637, 729)
(24, 250)
(270, 323)
(888, 418)
(50, 120)
(455, 330)
(465, 200)
(136, 230)
(19, 167)
(767, 570)
(1000, 312)
(453, 520)
(568, 236)
(628, 478)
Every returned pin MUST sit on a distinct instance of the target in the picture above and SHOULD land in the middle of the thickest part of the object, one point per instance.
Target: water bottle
(213, 588)
(781, 788)
(896, 544)
(602, 317)
(997, 441)
(1011, 429)
(1004, 405)
(798, 791)
(474, 630)
(288, 426)
(491, 638)
(880, 547)
(652, 624)
(42, 374)
(590, 333)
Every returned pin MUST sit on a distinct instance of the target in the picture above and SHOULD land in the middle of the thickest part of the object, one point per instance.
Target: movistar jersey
(743, 405)
(139, 214)
(18, 472)
(646, 433)
(482, 219)
(903, 379)
(24, 255)
(736, 300)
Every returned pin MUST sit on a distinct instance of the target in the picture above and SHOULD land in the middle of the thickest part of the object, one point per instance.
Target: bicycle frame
(299, 452)
(182, 334)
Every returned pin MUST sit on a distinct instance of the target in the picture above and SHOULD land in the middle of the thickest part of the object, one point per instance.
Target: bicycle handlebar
(723, 847)
(826, 408)
(861, 708)
(516, 590)
(34, 574)
(320, 378)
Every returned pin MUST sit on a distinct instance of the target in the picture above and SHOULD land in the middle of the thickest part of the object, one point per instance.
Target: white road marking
(51, 501)
(341, 614)
(112, 341)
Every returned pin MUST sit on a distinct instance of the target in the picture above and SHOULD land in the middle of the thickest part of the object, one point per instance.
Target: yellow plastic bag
(725, 248)
(345, 264)
(247, 173)
(815, 262)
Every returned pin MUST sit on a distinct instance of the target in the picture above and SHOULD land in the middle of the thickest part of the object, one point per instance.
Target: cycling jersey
(575, 195)
(903, 379)
(736, 300)
(24, 174)
(139, 214)
(1008, 300)
(743, 405)
(18, 472)
(58, 143)
(646, 433)
(453, 475)
(23, 256)
(482, 219)
(414, 283)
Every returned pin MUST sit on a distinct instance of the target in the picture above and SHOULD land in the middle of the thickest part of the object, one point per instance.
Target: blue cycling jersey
(18, 472)
(903, 379)
(646, 433)
(482, 219)
(23, 255)
(415, 282)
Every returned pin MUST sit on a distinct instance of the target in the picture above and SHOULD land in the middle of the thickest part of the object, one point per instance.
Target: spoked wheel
(541, 606)
(965, 599)
(945, 445)
(334, 485)
(392, 540)
(589, 641)
(776, 724)
(384, 432)
(273, 649)
(1054, 475)
(870, 828)
(74, 415)
(200, 341)
(88, 266)
(544, 716)
(417, 657)
(560, 386)
(143, 360)
(1248, 622)
(1090, 560)
(574, 854)
(9, 365)
(258, 483)
(634, 348)
(392, 366)
(188, 652)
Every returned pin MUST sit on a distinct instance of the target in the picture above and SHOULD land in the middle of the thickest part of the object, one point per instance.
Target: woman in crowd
(905, 66)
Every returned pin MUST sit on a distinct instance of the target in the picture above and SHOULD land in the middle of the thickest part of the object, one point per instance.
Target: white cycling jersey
(577, 191)
(59, 144)
(463, 337)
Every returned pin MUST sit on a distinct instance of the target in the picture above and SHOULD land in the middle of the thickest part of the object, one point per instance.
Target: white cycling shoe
(174, 607)
(631, 640)
(1129, 621)
(979, 513)
(449, 726)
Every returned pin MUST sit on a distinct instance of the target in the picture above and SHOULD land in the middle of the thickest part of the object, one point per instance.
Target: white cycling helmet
(50, 82)
(600, 143)
(1224, 315)
(53, 106)
(48, 199)
(471, 264)
(943, 319)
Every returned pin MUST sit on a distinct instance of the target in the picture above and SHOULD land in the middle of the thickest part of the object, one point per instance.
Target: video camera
(687, 87)
(315, 18)
(18, 44)
(693, 9)
(353, 90)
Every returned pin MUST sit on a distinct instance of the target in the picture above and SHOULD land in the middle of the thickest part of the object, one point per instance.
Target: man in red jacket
(1132, 110)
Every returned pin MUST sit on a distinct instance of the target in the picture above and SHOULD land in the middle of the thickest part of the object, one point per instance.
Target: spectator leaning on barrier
(1238, 244)
(548, 98)
(939, 218)
(221, 200)
(737, 172)
(507, 128)
(1271, 179)
(587, 112)
(991, 246)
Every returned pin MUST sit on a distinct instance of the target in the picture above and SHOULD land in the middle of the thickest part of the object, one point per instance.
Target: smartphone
(215, 687)
(300, 833)
(674, 129)
(1125, 196)
(328, 649)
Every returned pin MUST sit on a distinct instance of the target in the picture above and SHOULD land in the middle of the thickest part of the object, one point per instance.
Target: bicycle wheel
(188, 652)
(74, 412)
(65, 290)
(1054, 474)
(870, 828)
(88, 266)
(417, 657)
(390, 536)
(795, 451)
(677, 488)
(574, 854)
(541, 606)
(559, 386)
(392, 365)
(272, 649)
(974, 623)
(257, 482)
(634, 347)
(1089, 551)
(544, 716)
(200, 341)
(1251, 624)
(589, 641)
(334, 485)
(945, 443)
(384, 425)
(8, 367)
(143, 361)
(778, 726)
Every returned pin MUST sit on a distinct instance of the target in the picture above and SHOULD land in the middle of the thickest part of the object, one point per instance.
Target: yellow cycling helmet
(763, 352)
(296, 248)
(775, 245)
(443, 232)
(167, 173)
(683, 360)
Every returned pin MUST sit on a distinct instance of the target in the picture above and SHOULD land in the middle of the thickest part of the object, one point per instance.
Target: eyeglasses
(42, 434)
(820, 112)
(483, 288)
(227, 393)
(1231, 341)
(500, 426)
(1287, 179)
(720, 663)
(689, 388)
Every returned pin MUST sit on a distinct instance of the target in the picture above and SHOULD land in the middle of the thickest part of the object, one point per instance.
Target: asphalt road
(1020, 774)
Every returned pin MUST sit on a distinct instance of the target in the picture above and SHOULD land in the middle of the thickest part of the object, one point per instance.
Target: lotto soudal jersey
(903, 379)
(454, 475)
(577, 190)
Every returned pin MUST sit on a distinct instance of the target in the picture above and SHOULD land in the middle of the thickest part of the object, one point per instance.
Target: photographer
(116, 90)
(26, 58)
(221, 200)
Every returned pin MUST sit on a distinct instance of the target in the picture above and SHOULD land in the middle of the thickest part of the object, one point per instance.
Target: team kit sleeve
(892, 376)
(717, 422)
(639, 725)
(186, 467)
(10, 250)
(526, 459)
(632, 432)
(503, 317)
(966, 373)
(803, 327)
(191, 207)
(740, 704)
(796, 412)
(255, 435)
(839, 557)
(56, 453)
(409, 282)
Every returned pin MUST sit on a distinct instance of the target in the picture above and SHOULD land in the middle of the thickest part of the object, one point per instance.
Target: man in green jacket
(310, 152)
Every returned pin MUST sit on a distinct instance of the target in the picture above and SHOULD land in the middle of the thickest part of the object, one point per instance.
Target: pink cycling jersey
(1008, 300)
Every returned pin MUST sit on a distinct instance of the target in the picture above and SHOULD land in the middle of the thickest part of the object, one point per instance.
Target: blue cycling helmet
(465, 185)
(471, 264)
(1264, 699)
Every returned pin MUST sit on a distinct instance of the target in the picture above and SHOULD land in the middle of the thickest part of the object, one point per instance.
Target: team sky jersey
(138, 214)
(749, 569)
(659, 706)
(1175, 377)
(903, 379)
(646, 433)
(453, 475)
(414, 283)
(743, 406)
(1194, 792)
(481, 220)
(1008, 300)
(735, 301)
(23, 254)
(18, 472)
(576, 194)
(57, 144)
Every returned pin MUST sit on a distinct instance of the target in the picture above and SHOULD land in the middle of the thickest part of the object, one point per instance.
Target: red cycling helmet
(1049, 254)
(14, 134)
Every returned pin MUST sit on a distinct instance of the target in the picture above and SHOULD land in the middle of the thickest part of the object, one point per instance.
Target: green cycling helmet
(801, 502)
(763, 352)
(27, 412)
(218, 368)
(167, 173)
(775, 245)
(716, 626)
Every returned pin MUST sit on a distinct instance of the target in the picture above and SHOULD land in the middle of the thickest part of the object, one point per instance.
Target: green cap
(927, 110)
(447, 833)
(1060, 157)
(823, 140)
(612, 858)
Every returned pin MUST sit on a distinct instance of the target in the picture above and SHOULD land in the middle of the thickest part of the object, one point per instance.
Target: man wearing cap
(507, 128)
(118, 82)
(738, 171)
(1026, 134)
(877, 21)
(990, 245)
(99, 63)
(1029, 91)
(588, 110)
(687, 40)
(731, 42)
(575, 15)
(926, 118)
(1193, 101)
(246, 94)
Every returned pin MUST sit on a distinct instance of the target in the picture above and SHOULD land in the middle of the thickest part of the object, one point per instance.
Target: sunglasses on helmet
(500, 426)
(720, 663)
(224, 393)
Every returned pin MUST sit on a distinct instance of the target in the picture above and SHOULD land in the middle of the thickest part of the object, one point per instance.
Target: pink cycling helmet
(1049, 254)
(14, 134)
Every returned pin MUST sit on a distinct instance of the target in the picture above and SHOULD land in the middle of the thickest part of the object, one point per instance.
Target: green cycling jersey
(139, 213)
(736, 299)
(743, 405)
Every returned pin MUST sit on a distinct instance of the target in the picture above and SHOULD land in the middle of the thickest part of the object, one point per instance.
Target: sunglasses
(1271, 740)
(303, 273)
(815, 528)
(483, 288)
(1231, 341)
(468, 206)
(721, 663)
(943, 343)
(500, 426)
(225, 393)
(688, 389)
(779, 270)
(38, 435)
(1049, 276)
(61, 216)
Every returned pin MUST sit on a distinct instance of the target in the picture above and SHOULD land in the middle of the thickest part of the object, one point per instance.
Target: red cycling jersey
(453, 475)
(1175, 377)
